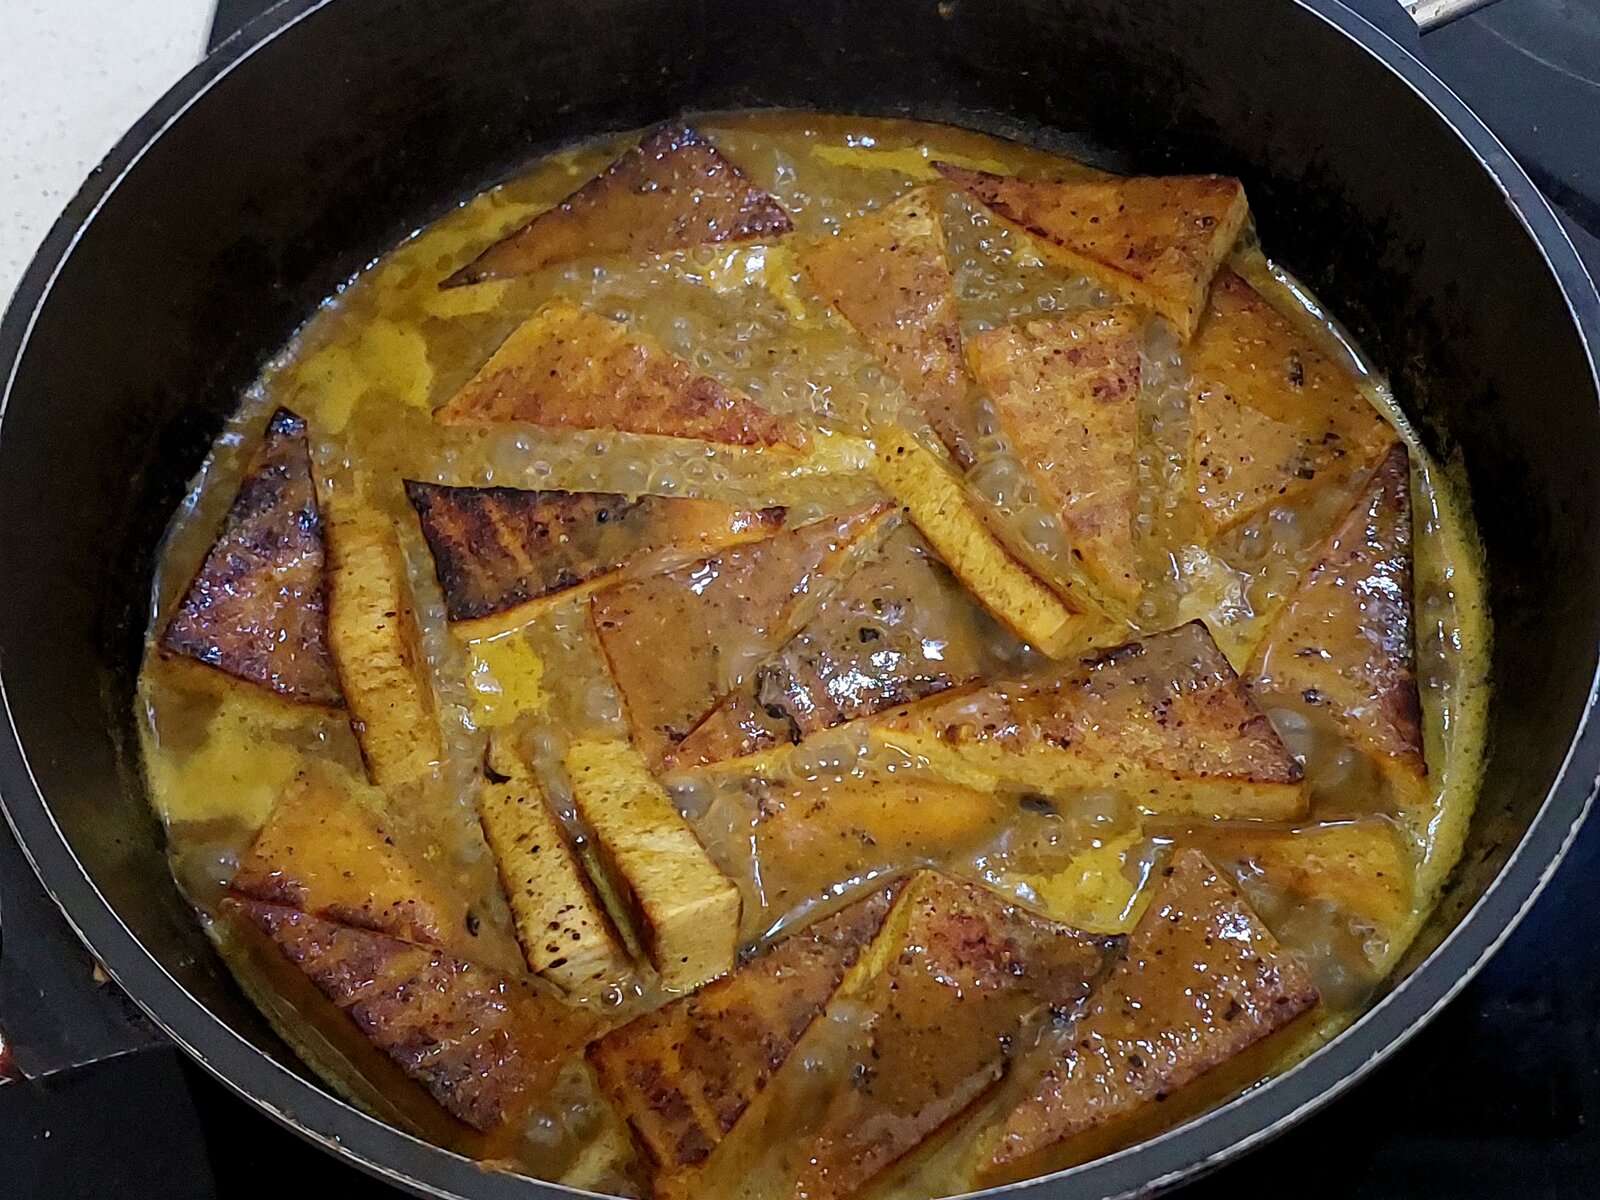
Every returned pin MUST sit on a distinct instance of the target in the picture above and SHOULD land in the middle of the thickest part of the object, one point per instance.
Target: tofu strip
(686, 910)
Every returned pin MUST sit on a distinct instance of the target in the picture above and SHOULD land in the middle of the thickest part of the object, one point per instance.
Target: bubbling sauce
(797, 829)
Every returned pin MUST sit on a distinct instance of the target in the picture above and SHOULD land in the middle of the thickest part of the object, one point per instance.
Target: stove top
(1498, 1097)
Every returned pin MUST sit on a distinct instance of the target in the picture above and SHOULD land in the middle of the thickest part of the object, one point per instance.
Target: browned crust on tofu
(673, 190)
(1344, 644)
(963, 973)
(1203, 980)
(495, 548)
(899, 628)
(1157, 239)
(674, 642)
(1066, 392)
(888, 274)
(257, 609)
(327, 854)
(1164, 716)
(568, 368)
(684, 1074)
(1269, 416)
(483, 1046)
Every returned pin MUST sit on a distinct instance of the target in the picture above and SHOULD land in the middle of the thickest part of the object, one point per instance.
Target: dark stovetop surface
(1498, 1097)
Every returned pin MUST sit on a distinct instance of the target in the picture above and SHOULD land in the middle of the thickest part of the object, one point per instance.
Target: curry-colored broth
(369, 368)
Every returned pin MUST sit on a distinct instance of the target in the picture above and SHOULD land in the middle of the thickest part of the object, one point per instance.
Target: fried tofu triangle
(499, 551)
(683, 1075)
(484, 1046)
(671, 191)
(887, 274)
(323, 851)
(257, 609)
(686, 911)
(919, 1030)
(896, 629)
(676, 642)
(376, 643)
(1343, 646)
(568, 368)
(566, 935)
(1066, 393)
(1165, 719)
(1269, 416)
(1157, 240)
(1202, 981)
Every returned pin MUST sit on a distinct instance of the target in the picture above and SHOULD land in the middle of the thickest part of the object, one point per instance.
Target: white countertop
(74, 75)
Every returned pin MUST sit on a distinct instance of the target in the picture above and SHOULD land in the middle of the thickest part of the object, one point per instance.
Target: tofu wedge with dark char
(484, 1046)
(683, 1075)
(568, 368)
(899, 627)
(1270, 416)
(499, 551)
(676, 642)
(1165, 720)
(329, 854)
(1342, 650)
(257, 609)
(1066, 394)
(671, 191)
(684, 909)
(918, 1032)
(888, 274)
(1202, 981)
(1157, 240)
(566, 935)
(377, 646)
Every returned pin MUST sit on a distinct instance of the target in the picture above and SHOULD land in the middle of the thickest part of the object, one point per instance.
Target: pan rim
(308, 1109)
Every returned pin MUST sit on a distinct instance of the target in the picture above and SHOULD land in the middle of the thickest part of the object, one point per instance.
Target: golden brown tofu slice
(888, 274)
(376, 644)
(1164, 719)
(484, 1046)
(566, 935)
(1157, 240)
(1203, 980)
(954, 526)
(1342, 648)
(1066, 394)
(1269, 416)
(685, 909)
(671, 191)
(568, 368)
(898, 628)
(323, 851)
(499, 549)
(684, 1074)
(258, 607)
(920, 1029)
(677, 641)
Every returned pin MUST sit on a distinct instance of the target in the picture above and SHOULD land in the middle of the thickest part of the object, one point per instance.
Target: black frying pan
(302, 149)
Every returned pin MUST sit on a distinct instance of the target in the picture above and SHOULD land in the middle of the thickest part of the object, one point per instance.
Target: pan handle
(57, 1010)
(1432, 14)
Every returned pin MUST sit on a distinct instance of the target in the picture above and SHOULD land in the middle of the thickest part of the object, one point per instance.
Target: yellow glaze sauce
(797, 829)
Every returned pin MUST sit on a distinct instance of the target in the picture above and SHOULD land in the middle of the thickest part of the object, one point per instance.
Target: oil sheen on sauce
(368, 369)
